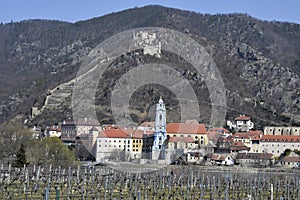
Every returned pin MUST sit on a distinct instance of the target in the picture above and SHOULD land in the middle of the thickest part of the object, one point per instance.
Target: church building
(160, 136)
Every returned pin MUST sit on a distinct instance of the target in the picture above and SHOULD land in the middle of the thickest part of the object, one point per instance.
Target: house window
(114, 141)
(119, 146)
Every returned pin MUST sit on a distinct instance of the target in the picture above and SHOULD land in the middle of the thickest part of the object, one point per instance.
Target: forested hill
(259, 62)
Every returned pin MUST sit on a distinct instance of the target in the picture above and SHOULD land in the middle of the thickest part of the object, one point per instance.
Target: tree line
(19, 147)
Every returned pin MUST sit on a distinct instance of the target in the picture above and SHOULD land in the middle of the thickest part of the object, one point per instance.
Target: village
(190, 142)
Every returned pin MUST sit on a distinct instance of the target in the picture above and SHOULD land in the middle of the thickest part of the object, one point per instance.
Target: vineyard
(172, 182)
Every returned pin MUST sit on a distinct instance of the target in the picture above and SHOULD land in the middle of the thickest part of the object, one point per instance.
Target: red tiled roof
(291, 159)
(216, 157)
(182, 139)
(125, 133)
(241, 136)
(280, 138)
(239, 146)
(213, 136)
(147, 124)
(219, 130)
(141, 134)
(186, 128)
(242, 118)
(254, 156)
(252, 133)
(115, 133)
(256, 137)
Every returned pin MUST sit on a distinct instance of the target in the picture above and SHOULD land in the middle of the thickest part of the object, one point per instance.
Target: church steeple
(160, 125)
(160, 119)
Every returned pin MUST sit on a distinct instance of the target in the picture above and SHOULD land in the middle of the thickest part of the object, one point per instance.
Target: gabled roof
(291, 159)
(182, 139)
(195, 154)
(216, 157)
(141, 134)
(254, 156)
(280, 138)
(184, 128)
(94, 129)
(115, 133)
(125, 133)
(242, 118)
(252, 133)
(238, 146)
(147, 124)
(213, 136)
(219, 130)
(240, 135)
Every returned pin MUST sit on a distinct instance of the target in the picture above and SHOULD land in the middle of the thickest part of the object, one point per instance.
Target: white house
(122, 144)
(53, 131)
(111, 143)
(241, 123)
(293, 162)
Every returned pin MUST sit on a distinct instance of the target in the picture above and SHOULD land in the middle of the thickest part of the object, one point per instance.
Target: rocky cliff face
(258, 60)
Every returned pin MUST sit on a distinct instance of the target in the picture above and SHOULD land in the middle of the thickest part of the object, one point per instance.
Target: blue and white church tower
(160, 131)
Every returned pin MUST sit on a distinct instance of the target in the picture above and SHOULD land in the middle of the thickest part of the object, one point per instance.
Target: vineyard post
(69, 182)
(271, 198)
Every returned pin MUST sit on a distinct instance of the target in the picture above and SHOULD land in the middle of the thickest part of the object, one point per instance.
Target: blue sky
(75, 10)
